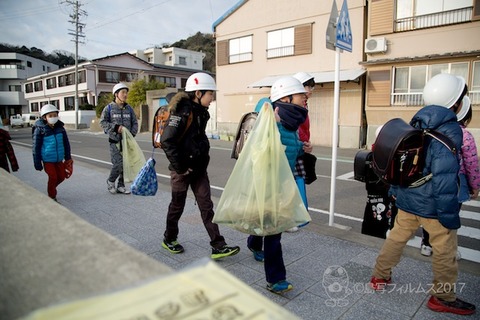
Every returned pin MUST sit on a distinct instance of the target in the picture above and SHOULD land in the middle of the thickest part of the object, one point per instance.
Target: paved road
(92, 148)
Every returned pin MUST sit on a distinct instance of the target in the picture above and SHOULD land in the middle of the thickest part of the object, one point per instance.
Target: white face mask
(52, 120)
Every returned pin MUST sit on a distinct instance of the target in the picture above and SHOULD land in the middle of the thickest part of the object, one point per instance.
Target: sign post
(339, 29)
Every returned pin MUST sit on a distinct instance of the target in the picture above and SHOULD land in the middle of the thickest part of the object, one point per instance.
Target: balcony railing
(241, 57)
(416, 99)
(407, 99)
(434, 19)
(280, 52)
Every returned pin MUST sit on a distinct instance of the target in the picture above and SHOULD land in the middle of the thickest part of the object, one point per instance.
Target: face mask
(52, 120)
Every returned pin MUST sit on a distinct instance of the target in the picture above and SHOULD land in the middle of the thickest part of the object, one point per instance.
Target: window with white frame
(51, 83)
(29, 87)
(38, 86)
(408, 82)
(240, 49)
(34, 107)
(418, 14)
(109, 76)
(69, 103)
(281, 43)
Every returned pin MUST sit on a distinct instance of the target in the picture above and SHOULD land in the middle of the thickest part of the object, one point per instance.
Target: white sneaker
(294, 229)
(123, 190)
(426, 251)
(111, 187)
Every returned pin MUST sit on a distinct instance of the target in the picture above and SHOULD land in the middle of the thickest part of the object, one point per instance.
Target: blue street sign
(344, 30)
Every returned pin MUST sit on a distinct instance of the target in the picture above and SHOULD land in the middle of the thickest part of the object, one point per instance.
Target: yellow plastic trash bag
(261, 196)
(133, 158)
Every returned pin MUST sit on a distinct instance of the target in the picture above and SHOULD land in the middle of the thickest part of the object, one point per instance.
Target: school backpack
(243, 131)
(398, 154)
(160, 121)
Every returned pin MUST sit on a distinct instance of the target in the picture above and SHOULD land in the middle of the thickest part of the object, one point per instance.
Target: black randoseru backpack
(398, 153)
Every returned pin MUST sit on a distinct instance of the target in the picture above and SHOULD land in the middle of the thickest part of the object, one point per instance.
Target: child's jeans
(274, 265)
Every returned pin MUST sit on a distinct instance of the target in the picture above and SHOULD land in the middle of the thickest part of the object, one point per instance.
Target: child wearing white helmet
(115, 116)
(433, 205)
(51, 148)
(288, 98)
(308, 82)
(187, 148)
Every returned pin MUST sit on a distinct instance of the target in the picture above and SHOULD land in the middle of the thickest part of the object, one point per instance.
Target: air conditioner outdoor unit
(375, 45)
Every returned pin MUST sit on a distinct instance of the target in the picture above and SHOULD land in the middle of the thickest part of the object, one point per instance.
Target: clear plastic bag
(133, 158)
(261, 196)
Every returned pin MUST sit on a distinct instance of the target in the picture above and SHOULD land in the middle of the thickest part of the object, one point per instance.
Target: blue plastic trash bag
(146, 184)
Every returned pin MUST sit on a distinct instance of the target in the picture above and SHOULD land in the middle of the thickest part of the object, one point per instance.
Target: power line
(28, 12)
(116, 19)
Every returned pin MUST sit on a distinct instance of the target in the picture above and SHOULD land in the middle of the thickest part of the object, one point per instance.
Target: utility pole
(76, 33)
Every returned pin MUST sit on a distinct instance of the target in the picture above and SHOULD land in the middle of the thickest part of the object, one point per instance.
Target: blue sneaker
(280, 286)
(258, 255)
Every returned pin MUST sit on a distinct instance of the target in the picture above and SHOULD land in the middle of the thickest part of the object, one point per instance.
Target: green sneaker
(172, 246)
(225, 251)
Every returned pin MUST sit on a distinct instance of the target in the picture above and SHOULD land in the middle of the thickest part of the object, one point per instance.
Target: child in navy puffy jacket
(51, 147)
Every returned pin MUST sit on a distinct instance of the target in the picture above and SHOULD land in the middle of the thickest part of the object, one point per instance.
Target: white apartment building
(95, 78)
(174, 57)
(15, 68)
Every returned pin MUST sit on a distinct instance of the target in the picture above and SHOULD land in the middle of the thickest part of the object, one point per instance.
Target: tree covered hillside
(198, 42)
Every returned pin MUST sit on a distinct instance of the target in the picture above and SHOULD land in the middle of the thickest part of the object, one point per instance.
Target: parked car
(30, 118)
(16, 121)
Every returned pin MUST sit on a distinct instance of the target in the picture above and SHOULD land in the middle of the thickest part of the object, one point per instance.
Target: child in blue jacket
(51, 147)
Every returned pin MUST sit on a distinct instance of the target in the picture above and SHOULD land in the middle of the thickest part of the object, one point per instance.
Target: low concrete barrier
(48, 255)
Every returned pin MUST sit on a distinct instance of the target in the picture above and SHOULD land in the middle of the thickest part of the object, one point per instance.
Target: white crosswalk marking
(470, 215)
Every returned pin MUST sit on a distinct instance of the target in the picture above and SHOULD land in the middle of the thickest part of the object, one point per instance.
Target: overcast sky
(112, 26)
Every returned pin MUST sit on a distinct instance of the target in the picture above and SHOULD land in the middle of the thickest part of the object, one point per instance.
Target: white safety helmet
(303, 77)
(284, 87)
(464, 110)
(200, 81)
(443, 90)
(48, 108)
(118, 87)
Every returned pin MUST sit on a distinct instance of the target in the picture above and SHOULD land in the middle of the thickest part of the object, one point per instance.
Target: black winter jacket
(186, 149)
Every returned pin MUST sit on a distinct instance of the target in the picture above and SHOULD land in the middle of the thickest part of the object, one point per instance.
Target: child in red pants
(50, 148)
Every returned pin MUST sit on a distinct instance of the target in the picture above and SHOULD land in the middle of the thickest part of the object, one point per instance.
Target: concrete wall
(49, 255)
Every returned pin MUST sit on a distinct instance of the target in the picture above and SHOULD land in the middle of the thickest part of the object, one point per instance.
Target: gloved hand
(68, 164)
(38, 166)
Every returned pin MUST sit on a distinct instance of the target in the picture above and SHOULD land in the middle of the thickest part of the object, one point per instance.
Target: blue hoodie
(436, 199)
